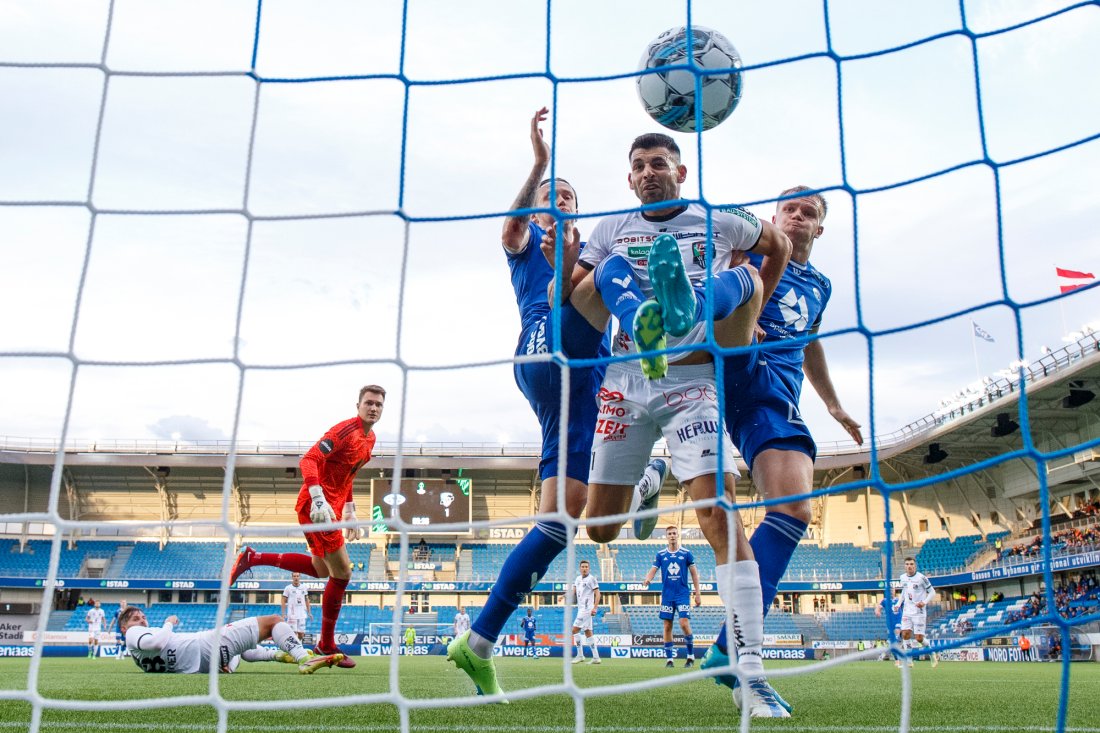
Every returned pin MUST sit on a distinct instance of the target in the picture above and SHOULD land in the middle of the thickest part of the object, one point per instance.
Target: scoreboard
(424, 503)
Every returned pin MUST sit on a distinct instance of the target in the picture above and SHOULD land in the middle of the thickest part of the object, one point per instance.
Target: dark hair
(372, 388)
(818, 198)
(654, 140)
(910, 558)
(125, 616)
(558, 180)
(582, 562)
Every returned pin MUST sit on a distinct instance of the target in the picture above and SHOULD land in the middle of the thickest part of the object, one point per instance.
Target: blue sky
(168, 287)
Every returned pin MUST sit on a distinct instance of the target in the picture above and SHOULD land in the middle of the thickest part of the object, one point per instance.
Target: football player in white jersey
(94, 618)
(165, 650)
(586, 595)
(914, 594)
(642, 265)
(461, 622)
(295, 606)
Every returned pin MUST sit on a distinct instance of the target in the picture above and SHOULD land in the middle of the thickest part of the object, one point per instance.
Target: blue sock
(690, 640)
(730, 290)
(617, 284)
(523, 568)
(773, 544)
(668, 650)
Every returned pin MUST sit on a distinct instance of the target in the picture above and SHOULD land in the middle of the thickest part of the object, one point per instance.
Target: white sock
(285, 638)
(578, 645)
(592, 645)
(740, 591)
(259, 654)
(479, 645)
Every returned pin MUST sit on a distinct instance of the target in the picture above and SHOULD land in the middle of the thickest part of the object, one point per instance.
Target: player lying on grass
(165, 650)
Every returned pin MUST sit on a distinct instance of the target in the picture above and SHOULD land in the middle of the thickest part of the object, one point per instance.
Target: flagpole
(1061, 301)
(974, 345)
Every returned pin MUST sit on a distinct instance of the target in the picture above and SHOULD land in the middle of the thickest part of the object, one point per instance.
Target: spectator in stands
(1055, 649)
(423, 552)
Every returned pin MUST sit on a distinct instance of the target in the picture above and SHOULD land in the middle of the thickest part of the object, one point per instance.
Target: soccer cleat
(649, 335)
(578, 659)
(315, 662)
(764, 701)
(643, 528)
(715, 657)
(244, 562)
(595, 660)
(344, 661)
(481, 671)
(935, 659)
(669, 664)
(689, 663)
(671, 286)
(287, 658)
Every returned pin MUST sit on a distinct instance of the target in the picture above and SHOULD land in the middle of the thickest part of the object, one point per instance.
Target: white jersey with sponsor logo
(295, 601)
(180, 653)
(631, 235)
(915, 588)
(584, 588)
(95, 617)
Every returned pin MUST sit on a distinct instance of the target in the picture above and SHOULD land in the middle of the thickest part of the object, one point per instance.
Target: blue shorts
(529, 637)
(540, 383)
(670, 607)
(762, 407)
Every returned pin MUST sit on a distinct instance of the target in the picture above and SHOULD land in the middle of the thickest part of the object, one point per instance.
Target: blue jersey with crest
(674, 572)
(540, 382)
(793, 311)
(528, 624)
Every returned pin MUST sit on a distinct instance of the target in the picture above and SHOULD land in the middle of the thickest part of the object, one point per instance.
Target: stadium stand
(943, 555)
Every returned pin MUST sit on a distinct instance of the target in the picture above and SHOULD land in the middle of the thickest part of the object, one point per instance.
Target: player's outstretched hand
(849, 424)
(538, 142)
(878, 610)
(174, 620)
(698, 599)
(351, 534)
(320, 511)
(571, 250)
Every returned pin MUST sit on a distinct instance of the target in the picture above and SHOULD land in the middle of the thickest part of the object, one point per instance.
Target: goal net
(219, 215)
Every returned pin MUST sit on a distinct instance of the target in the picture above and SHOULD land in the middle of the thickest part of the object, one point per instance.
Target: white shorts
(583, 621)
(237, 638)
(94, 629)
(914, 623)
(297, 624)
(635, 412)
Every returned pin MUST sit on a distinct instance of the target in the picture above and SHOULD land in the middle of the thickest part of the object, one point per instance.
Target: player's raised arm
(515, 234)
(817, 371)
(775, 247)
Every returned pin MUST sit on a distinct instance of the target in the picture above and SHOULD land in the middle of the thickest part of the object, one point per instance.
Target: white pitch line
(88, 725)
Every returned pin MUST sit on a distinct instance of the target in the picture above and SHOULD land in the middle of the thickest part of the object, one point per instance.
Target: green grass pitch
(862, 696)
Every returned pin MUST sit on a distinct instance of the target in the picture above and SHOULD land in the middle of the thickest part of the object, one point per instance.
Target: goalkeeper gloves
(351, 534)
(320, 510)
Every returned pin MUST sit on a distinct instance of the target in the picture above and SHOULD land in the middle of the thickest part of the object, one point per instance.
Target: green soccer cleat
(315, 662)
(671, 286)
(649, 335)
(717, 658)
(481, 671)
(286, 658)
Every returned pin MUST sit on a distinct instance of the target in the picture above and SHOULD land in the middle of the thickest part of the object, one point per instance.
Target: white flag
(981, 332)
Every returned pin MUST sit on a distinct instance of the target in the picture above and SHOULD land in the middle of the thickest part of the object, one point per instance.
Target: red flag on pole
(1072, 279)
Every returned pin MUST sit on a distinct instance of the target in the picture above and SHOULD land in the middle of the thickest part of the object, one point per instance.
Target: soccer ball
(669, 96)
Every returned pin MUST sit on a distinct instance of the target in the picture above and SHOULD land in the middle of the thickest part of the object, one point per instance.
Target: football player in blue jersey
(529, 244)
(762, 393)
(675, 563)
(529, 624)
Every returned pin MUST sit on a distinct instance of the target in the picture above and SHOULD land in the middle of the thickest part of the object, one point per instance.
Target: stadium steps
(118, 562)
(808, 626)
(465, 569)
(617, 623)
(376, 567)
(58, 620)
